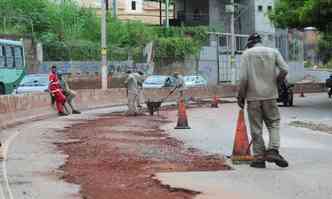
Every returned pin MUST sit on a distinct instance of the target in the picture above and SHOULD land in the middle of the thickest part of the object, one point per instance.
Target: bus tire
(2, 89)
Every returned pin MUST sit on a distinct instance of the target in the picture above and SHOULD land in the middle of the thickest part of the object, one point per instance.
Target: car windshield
(35, 80)
(155, 80)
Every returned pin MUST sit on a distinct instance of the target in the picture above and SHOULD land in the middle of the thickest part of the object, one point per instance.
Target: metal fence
(289, 43)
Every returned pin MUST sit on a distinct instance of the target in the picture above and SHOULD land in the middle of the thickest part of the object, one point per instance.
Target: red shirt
(54, 81)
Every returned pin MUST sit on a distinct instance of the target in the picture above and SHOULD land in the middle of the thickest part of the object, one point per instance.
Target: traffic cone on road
(182, 116)
(241, 147)
(215, 102)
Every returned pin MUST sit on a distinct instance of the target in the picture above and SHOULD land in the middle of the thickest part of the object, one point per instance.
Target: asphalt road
(31, 168)
(308, 151)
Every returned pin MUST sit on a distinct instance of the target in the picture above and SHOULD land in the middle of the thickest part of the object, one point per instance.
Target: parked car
(159, 81)
(194, 80)
(33, 83)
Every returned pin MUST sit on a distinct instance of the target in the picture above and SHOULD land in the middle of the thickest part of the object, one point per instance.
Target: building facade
(250, 16)
(149, 12)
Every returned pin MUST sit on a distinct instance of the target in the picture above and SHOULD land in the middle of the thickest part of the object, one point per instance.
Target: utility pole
(167, 13)
(104, 70)
(115, 9)
(161, 12)
(233, 42)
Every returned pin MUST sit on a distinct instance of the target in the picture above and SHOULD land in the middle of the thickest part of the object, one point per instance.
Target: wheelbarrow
(154, 106)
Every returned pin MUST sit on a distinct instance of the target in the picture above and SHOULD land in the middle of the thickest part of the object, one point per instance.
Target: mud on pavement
(116, 157)
(313, 126)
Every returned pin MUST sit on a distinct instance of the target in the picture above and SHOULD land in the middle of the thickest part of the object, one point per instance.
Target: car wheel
(2, 89)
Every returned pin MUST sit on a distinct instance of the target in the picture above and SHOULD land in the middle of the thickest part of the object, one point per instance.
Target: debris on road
(117, 157)
(312, 126)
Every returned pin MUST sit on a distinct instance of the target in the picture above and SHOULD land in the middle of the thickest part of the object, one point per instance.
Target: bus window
(9, 56)
(18, 57)
(2, 57)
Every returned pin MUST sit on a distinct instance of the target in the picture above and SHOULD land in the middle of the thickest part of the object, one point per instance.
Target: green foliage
(175, 48)
(308, 64)
(303, 13)
(70, 32)
(329, 64)
(325, 47)
(176, 43)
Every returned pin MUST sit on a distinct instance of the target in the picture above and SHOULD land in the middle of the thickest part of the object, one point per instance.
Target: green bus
(12, 65)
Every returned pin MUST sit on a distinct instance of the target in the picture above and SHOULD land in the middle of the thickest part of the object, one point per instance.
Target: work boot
(258, 162)
(273, 155)
(76, 112)
(62, 114)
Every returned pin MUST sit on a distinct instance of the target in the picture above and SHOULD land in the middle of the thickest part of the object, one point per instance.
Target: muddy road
(116, 157)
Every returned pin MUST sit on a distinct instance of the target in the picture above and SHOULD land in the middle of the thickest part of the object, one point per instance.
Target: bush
(329, 64)
(69, 32)
(175, 48)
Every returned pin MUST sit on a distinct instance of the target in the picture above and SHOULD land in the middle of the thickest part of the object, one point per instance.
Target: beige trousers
(139, 99)
(266, 111)
(132, 100)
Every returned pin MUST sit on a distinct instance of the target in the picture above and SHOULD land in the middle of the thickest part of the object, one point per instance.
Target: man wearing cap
(179, 84)
(140, 79)
(70, 94)
(55, 90)
(261, 68)
(132, 93)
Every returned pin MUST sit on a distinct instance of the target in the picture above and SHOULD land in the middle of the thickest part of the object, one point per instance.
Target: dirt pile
(115, 157)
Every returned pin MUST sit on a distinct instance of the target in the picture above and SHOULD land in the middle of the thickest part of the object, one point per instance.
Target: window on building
(2, 57)
(260, 8)
(133, 5)
(269, 8)
(197, 14)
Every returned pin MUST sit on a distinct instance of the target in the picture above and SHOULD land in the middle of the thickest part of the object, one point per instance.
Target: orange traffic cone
(182, 116)
(215, 102)
(241, 148)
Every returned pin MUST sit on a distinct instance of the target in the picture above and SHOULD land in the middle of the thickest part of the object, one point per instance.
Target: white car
(33, 83)
(159, 81)
(194, 81)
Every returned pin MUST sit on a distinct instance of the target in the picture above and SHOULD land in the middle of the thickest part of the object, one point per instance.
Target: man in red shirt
(55, 90)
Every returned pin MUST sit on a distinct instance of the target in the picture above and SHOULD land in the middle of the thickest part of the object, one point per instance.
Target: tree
(305, 13)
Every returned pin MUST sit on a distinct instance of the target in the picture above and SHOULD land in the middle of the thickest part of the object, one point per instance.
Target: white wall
(139, 6)
(262, 21)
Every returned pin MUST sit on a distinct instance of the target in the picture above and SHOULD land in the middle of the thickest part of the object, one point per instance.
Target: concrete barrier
(20, 108)
(310, 87)
(15, 109)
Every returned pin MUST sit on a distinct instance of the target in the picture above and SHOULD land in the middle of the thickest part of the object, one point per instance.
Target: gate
(228, 71)
(289, 43)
